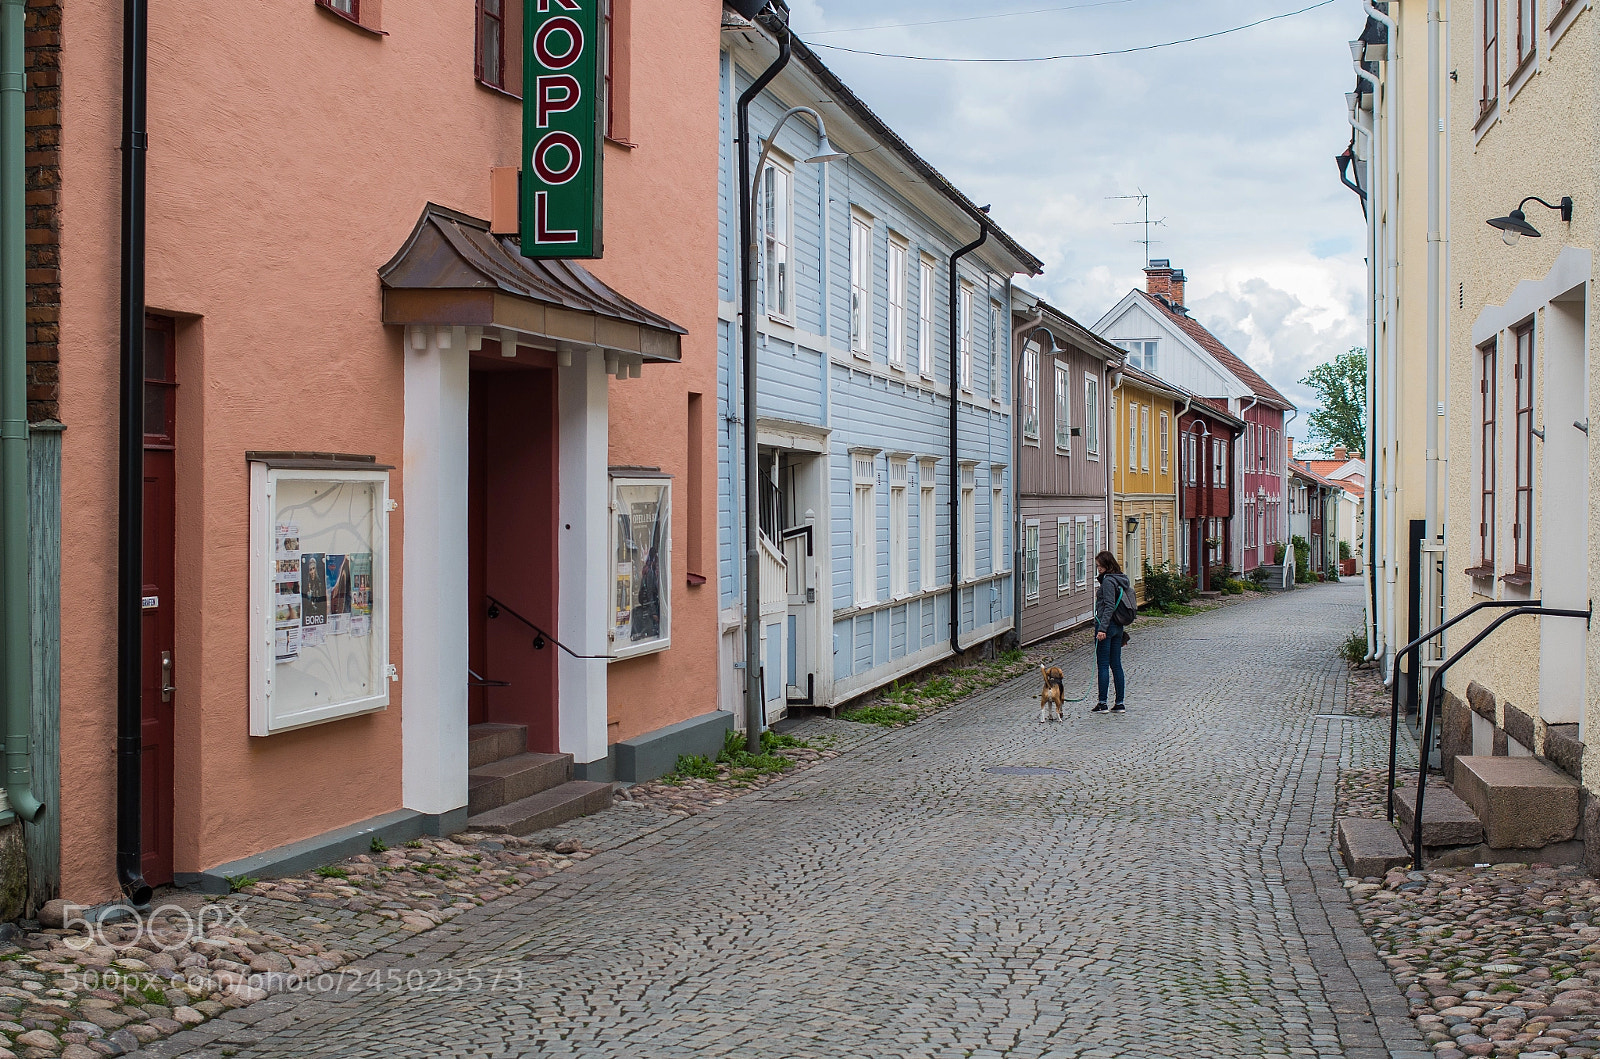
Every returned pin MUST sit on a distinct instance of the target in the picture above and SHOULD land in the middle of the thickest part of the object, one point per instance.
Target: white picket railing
(774, 579)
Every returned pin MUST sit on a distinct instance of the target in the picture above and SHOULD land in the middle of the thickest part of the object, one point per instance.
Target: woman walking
(1114, 590)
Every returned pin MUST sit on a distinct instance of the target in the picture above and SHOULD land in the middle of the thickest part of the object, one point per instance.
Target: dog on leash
(1053, 695)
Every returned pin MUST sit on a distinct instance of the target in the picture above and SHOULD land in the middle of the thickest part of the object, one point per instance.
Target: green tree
(1341, 414)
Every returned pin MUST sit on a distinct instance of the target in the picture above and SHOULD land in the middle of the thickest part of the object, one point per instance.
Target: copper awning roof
(453, 272)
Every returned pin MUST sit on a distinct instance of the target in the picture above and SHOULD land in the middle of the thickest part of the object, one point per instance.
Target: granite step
(557, 805)
(491, 742)
(1446, 819)
(1523, 802)
(513, 778)
(1371, 847)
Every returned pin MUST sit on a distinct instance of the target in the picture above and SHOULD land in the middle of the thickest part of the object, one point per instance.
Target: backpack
(1125, 612)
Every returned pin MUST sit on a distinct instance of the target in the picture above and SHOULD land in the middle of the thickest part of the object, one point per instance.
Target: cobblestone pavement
(1168, 892)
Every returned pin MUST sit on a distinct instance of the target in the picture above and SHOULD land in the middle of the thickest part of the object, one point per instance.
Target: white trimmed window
(898, 255)
(964, 329)
(1166, 443)
(1030, 393)
(899, 527)
(1091, 416)
(777, 223)
(928, 524)
(1099, 534)
(1186, 457)
(1184, 529)
(1142, 354)
(1133, 436)
(1030, 558)
(861, 285)
(994, 351)
(1144, 437)
(1219, 462)
(969, 521)
(864, 468)
(1080, 550)
(925, 318)
(997, 519)
(1063, 408)
(1063, 555)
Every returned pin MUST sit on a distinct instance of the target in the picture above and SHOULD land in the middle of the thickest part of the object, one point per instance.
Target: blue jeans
(1108, 653)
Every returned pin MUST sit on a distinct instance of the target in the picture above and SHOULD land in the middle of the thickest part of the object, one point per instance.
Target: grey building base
(603, 770)
(656, 753)
(294, 858)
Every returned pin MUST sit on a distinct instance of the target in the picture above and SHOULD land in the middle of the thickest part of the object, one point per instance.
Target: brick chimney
(1164, 281)
(1340, 452)
(1290, 443)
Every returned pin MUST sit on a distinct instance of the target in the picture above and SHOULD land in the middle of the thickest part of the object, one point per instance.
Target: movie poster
(313, 599)
(361, 594)
(286, 591)
(338, 595)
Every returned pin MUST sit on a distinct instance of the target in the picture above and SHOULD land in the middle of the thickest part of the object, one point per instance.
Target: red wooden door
(160, 556)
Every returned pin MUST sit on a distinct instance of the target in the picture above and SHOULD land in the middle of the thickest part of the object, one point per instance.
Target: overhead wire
(1072, 55)
(969, 18)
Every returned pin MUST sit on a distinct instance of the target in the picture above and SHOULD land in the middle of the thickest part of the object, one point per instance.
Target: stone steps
(1446, 819)
(1371, 847)
(1523, 802)
(491, 742)
(557, 805)
(513, 778)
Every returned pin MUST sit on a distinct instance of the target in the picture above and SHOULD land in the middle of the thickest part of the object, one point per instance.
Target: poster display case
(319, 610)
(641, 563)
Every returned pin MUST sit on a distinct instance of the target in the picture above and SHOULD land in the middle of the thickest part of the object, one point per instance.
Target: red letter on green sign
(561, 134)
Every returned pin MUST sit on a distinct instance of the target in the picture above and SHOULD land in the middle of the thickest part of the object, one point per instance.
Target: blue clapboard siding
(808, 375)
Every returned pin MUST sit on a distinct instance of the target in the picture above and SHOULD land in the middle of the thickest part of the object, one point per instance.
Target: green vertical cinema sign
(561, 133)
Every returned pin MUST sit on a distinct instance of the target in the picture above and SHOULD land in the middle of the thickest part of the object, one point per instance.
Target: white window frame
(1166, 443)
(994, 351)
(1219, 462)
(1030, 559)
(777, 245)
(864, 524)
(1063, 409)
(925, 296)
(1144, 437)
(899, 527)
(999, 556)
(899, 258)
(271, 708)
(1142, 354)
(964, 332)
(969, 520)
(1099, 536)
(1133, 436)
(928, 524)
(861, 236)
(1030, 394)
(1064, 546)
(1091, 416)
(1080, 550)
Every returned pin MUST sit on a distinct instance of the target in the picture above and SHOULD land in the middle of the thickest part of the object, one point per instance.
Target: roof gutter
(955, 407)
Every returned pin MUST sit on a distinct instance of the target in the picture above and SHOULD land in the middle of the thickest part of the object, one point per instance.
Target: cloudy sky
(1232, 138)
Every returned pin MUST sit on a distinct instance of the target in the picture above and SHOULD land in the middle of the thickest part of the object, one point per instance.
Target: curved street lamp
(1515, 225)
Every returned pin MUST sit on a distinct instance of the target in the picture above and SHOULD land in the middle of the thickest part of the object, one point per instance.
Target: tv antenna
(1144, 201)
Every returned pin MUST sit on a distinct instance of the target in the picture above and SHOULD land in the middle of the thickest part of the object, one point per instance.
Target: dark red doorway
(159, 629)
(512, 515)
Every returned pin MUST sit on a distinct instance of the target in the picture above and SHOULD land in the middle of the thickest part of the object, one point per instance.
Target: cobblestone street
(1164, 889)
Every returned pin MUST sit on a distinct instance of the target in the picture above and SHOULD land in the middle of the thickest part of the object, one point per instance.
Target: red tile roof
(1211, 344)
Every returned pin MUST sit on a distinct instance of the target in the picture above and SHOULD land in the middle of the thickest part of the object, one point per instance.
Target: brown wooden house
(1063, 465)
(1206, 437)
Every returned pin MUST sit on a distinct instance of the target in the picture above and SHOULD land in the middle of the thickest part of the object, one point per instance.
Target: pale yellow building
(1144, 502)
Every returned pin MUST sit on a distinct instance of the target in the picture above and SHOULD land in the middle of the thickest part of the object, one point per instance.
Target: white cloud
(1233, 138)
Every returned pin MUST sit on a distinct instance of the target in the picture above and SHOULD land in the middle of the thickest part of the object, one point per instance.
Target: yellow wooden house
(1144, 451)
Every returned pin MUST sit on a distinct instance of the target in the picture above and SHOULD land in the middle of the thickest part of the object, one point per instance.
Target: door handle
(167, 687)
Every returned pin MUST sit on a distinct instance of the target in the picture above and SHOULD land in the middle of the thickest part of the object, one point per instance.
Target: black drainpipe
(955, 404)
(130, 520)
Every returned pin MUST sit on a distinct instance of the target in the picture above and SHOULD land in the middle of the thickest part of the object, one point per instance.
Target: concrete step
(569, 801)
(513, 778)
(1564, 749)
(1523, 802)
(1446, 819)
(1371, 847)
(491, 742)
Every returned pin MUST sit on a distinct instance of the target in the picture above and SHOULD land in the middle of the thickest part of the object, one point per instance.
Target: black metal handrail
(1436, 683)
(1411, 649)
(540, 636)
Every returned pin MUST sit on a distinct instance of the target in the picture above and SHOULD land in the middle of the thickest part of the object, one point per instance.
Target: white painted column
(433, 721)
(1561, 551)
(585, 595)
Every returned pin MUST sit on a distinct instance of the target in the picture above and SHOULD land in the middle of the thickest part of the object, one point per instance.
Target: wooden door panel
(156, 726)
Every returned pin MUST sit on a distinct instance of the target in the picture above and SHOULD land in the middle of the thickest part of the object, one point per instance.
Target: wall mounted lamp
(1133, 524)
(1516, 224)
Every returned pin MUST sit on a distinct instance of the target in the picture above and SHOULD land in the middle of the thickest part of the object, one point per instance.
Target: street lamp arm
(766, 149)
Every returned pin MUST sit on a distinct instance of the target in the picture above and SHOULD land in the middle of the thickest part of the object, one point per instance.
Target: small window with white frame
(964, 331)
(1064, 544)
(925, 277)
(1091, 415)
(1030, 393)
(996, 341)
(1166, 443)
(997, 519)
(899, 527)
(777, 224)
(1030, 559)
(864, 523)
(1099, 534)
(1144, 437)
(899, 255)
(860, 284)
(1063, 408)
(928, 524)
(1142, 354)
(969, 521)
(1080, 551)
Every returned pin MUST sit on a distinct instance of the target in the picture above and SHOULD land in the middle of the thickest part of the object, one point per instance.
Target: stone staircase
(1498, 809)
(514, 792)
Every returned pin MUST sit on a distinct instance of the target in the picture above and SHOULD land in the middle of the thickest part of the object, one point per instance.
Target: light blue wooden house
(854, 379)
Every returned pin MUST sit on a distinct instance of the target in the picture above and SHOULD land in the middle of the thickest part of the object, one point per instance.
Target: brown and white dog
(1053, 694)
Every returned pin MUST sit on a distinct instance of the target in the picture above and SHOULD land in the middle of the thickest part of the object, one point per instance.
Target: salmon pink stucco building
(427, 524)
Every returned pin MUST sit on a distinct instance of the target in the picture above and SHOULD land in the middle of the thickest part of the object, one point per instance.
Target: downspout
(1018, 589)
(753, 706)
(130, 523)
(1382, 257)
(18, 653)
(955, 405)
(1434, 527)
(1369, 582)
